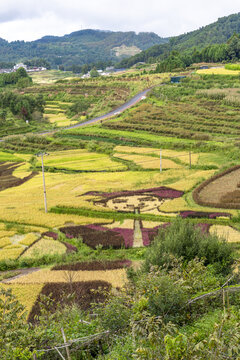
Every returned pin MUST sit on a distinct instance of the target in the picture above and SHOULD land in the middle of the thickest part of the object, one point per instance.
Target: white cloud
(30, 20)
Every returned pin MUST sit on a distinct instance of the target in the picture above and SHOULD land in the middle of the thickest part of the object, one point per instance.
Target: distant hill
(216, 33)
(80, 47)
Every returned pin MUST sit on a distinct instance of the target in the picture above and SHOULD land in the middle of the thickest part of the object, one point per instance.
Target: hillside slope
(80, 47)
(216, 33)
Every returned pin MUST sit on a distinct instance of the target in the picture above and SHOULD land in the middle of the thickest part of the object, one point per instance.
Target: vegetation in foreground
(184, 307)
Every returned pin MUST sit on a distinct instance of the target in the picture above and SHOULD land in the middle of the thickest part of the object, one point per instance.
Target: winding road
(140, 96)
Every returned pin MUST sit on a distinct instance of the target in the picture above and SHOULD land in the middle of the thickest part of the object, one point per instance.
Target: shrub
(183, 240)
(115, 314)
(166, 297)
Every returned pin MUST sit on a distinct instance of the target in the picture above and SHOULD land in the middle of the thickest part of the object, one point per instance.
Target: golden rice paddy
(218, 71)
(44, 247)
(26, 294)
(183, 156)
(81, 160)
(116, 277)
(148, 162)
(226, 232)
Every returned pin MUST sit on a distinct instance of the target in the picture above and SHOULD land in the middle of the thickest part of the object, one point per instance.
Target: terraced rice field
(117, 278)
(81, 160)
(14, 245)
(149, 158)
(217, 71)
(226, 232)
(198, 116)
(55, 282)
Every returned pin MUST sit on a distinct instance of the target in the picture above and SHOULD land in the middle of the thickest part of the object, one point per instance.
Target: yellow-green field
(81, 160)
(26, 293)
(24, 204)
(50, 76)
(218, 71)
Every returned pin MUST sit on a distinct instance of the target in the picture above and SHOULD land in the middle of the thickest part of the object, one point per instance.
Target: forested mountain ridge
(80, 47)
(218, 32)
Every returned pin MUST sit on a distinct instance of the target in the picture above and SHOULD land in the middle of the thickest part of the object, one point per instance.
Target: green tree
(94, 73)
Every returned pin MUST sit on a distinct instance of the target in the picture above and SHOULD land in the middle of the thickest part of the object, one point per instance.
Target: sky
(32, 19)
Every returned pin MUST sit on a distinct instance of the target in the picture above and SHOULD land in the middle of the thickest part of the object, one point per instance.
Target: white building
(18, 66)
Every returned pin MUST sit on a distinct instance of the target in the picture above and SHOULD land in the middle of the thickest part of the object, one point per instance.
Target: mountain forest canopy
(78, 48)
(218, 32)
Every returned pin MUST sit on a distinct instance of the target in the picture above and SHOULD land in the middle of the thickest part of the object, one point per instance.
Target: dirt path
(21, 271)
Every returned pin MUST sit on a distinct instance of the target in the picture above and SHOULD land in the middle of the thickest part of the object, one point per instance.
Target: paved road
(119, 110)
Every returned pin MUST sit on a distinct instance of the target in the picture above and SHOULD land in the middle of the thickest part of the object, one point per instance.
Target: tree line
(229, 51)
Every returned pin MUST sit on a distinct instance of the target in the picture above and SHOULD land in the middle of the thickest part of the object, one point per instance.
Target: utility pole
(190, 160)
(44, 185)
(160, 160)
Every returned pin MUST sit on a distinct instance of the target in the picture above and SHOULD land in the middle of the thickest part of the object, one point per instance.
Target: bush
(115, 314)
(165, 296)
(183, 240)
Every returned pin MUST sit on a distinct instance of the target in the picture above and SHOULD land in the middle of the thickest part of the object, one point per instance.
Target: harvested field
(220, 191)
(85, 293)
(226, 232)
(116, 277)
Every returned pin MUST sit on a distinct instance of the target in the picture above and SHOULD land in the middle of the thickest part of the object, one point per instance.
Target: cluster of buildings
(18, 66)
(108, 71)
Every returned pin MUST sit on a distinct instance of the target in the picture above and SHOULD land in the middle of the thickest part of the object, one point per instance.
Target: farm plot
(220, 191)
(227, 232)
(85, 293)
(217, 71)
(149, 157)
(7, 179)
(88, 280)
(147, 162)
(181, 113)
(81, 160)
(116, 277)
(68, 189)
(26, 294)
(138, 201)
(99, 235)
(14, 245)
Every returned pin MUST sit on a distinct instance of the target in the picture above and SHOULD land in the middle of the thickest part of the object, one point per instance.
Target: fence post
(65, 343)
(160, 160)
